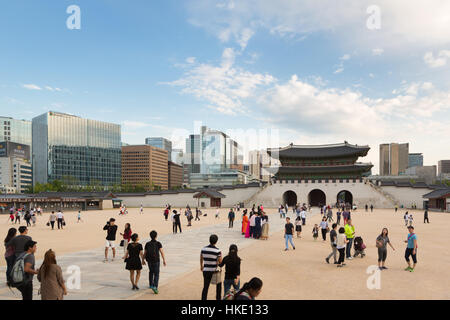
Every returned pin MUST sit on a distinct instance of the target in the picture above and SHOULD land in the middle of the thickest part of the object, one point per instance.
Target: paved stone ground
(110, 280)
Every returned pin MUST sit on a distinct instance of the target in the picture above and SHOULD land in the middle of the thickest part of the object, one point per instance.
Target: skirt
(134, 264)
(265, 230)
(298, 228)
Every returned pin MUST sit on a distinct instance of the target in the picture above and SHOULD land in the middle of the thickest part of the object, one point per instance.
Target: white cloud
(224, 88)
(377, 51)
(338, 70)
(190, 60)
(439, 61)
(345, 57)
(31, 87)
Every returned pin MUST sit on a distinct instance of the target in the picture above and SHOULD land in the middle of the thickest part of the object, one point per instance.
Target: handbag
(217, 277)
(122, 243)
(48, 224)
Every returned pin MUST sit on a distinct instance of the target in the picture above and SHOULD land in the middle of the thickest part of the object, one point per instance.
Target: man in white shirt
(60, 219)
(303, 216)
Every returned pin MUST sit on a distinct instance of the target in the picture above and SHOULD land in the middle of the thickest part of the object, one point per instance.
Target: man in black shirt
(151, 254)
(231, 217)
(288, 232)
(176, 221)
(111, 229)
(19, 242)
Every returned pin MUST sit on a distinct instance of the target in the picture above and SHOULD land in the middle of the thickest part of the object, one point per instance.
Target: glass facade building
(13, 130)
(415, 160)
(77, 151)
(161, 143)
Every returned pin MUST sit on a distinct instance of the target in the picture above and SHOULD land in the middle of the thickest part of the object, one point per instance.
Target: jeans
(288, 238)
(27, 290)
(153, 273)
(348, 248)
(303, 221)
(60, 223)
(9, 264)
(176, 226)
(333, 253)
(53, 224)
(227, 283)
(324, 234)
(230, 223)
(341, 255)
(207, 275)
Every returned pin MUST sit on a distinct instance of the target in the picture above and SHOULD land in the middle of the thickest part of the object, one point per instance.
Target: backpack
(17, 275)
(152, 252)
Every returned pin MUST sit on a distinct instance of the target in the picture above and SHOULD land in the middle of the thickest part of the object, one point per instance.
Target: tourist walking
(197, 214)
(303, 216)
(367, 207)
(52, 219)
(411, 249)
(315, 232)
(330, 215)
(252, 225)
(27, 218)
(17, 217)
(51, 278)
(350, 234)
(425, 217)
(153, 249)
(231, 217)
(126, 238)
(288, 234)
(345, 216)
(333, 242)
(79, 217)
(338, 217)
(33, 217)
(341, 243)
(26, 287)
(217, 213)
(9, 252)
(265, 226)
(245, 222)
(166, 213)
(60, 219)
(250, 290)
(324, 228)
(257, 229)
(298, 226)
(176, 221)
(210, 258)
(406, 218)
(410, 218)
(371, 208)
(111, 230)
(232, 264)
(141, 209)
(381, 243)
(134, 259)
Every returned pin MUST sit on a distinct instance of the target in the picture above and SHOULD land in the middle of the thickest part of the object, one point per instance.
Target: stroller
(359, 247)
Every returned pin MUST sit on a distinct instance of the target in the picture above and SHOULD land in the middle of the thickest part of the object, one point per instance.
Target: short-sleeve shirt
(289, 228)
(324, 224)
(210, 255)
(333, 235)
(18, 243)
(152, 249)
(112, 230)
(384, 240)
(29, 259)
(411, 238)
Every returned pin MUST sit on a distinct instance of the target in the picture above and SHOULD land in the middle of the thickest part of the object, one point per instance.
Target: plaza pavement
(110, 280)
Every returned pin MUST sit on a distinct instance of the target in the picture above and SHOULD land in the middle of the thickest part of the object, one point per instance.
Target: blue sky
(312, 70)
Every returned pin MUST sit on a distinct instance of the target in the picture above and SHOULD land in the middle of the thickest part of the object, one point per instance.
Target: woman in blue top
(411, 249)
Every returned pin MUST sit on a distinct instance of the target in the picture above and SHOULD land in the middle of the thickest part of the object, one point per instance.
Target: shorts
(408, 253)
(110, 243)
(298, 228)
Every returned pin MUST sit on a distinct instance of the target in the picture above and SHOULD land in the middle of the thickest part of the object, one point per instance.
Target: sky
(268, 73)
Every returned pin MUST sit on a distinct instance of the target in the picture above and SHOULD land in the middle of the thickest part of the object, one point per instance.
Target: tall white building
(15, 173)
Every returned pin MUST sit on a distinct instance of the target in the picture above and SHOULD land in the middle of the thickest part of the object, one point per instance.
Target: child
(11, 216)
(79, 217)
(315, 232)
(217, 213)
(298, 226)
(406, 218)
(411, 219)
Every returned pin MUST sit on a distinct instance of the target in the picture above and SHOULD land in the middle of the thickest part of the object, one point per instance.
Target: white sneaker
(350, 258)
(105, 260)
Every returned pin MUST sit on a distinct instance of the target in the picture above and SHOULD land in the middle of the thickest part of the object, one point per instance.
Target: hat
(29, 244)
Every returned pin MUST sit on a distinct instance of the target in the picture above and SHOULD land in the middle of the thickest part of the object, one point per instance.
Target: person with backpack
(232, 265)
(152, 250)
(50, 276)
(18, 242)
(250, 290)
(9, 252)
(23, 271)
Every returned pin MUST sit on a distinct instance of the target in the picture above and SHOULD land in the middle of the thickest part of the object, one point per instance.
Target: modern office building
(229, 178)
(393, 158)
(415, 160)
(258, 160)
(192, 158)
(443, 167)
(78, 151)
(13, 130)
(145, 166)
(15, 173)
(175, 175)
(425, 174)
(178, 156)
(161, 143)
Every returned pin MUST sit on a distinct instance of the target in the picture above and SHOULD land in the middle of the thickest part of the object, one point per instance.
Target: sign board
(12, 149)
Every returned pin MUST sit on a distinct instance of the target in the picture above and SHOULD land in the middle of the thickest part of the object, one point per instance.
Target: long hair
(253, 284)
(11, 234)
(387, 232)
(232, 253)
(49, 259)
(127, 228)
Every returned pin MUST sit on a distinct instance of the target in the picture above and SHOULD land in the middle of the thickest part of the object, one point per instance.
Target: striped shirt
(210, 255)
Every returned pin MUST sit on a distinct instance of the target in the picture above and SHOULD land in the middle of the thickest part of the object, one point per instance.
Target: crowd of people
(20, 249)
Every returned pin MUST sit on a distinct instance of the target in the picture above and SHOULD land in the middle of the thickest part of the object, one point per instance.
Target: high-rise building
(15, 173)
(393, 159)
(77, 151)
(178, 156)
(415, 160)
(443, 167)
(192, 158)
(161, 143)
(425, 173)
(175, 175)
(258, 160)
(13, 130)
(145, 166)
